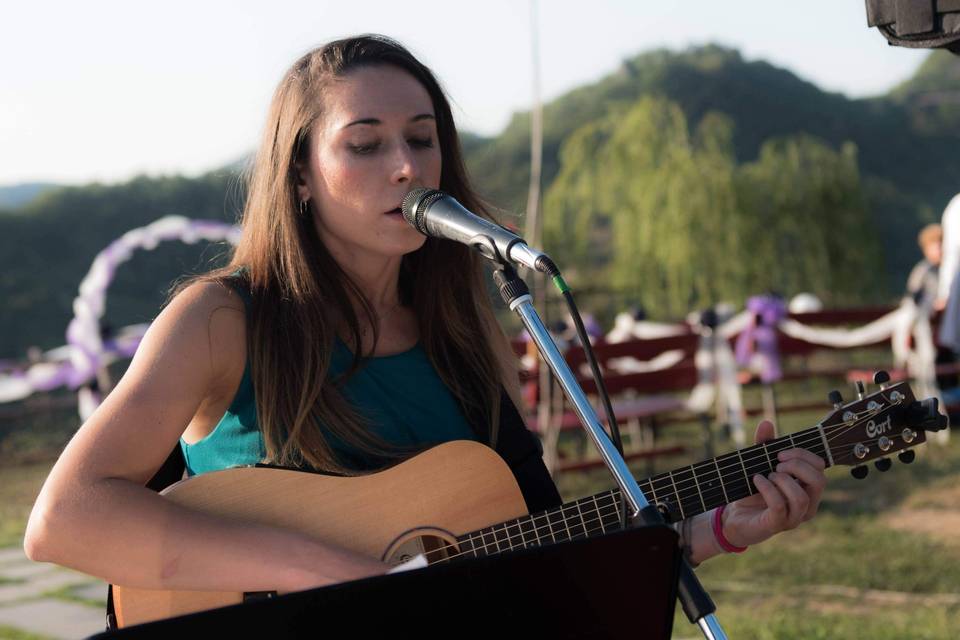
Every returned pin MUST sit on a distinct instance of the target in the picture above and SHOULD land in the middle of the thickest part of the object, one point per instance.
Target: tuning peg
(881, 378)
(907, 456)
(835, 399)
(860, 389)
(883, 464)
(860, 472)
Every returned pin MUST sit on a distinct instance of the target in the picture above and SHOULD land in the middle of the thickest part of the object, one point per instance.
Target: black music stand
(619, 585)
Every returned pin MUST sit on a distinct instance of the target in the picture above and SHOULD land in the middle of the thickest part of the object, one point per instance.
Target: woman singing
(338, 338)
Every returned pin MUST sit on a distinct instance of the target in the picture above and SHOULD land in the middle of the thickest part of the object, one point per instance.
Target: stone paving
(26, 603)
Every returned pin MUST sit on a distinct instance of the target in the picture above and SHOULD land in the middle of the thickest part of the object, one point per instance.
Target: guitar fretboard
(680, 494)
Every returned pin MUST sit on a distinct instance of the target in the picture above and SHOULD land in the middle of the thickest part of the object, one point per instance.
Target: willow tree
(665, 215)
(665, 197)
(810, 228)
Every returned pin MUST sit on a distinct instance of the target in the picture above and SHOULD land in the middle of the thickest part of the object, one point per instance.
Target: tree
(669, 218)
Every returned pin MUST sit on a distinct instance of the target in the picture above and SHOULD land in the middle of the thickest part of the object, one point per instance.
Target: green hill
(908, 159)
(905, 149)
(763, 101)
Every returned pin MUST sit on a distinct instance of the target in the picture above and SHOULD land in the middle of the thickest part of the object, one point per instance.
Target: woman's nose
(405, 167)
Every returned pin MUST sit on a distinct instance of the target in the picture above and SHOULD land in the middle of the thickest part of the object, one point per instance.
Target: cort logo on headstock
(875, 429)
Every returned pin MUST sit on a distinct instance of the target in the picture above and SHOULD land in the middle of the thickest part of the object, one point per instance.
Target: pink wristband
(718, 532)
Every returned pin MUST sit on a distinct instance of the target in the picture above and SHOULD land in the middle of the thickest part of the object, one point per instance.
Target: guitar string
(564, 523)
(755, 461)
(751, 456)
(561, 512)
(605, 512)
(547, 525)
(751, 465)
(800, 439)
(844, 428)
(811, 437)
(761, 451)
(807, 437)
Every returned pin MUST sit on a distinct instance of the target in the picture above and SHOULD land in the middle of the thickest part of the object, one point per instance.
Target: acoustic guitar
(460, 499)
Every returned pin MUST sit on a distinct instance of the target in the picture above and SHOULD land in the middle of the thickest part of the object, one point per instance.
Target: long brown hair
(302, 298)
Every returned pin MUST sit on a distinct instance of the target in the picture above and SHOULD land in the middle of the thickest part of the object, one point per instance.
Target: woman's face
(375, 142)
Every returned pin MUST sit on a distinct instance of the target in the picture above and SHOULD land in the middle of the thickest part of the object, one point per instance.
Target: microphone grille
(415, 205)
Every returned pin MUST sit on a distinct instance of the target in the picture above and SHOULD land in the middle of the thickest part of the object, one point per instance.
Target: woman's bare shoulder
(202, 298)
(212, 313)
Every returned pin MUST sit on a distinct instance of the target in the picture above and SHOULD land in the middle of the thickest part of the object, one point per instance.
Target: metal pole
(635, 499)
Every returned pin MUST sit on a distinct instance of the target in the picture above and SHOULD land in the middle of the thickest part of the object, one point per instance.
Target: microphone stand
(694, 599)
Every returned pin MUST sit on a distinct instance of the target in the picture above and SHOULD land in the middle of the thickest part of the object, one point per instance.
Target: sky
(105, 90)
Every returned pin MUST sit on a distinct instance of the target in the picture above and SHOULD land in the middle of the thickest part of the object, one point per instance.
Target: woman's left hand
(790, 496)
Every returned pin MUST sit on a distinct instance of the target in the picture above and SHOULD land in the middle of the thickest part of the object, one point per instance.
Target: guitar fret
(826, 446)
(769, 461)
(677, 494)
(746, 476)
(529, 531)
(726, 498)
(502, 537)
(732, 475)
(755, 460)
(488, 539)
(616, 519)
(696, 481)
(708, 478)
(583, 523)
(688, 491)
(523, 540)
(512, 537)
(617, 502)
(778, 445)
(653, 492)
(550, 527)
(558, 523)
(465, 545)
(597, 507)
(493, 534)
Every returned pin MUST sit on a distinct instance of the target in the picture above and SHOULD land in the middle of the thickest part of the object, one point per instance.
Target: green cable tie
(560, 283)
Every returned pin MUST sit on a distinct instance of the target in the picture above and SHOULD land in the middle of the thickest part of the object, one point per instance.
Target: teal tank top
(401, 396)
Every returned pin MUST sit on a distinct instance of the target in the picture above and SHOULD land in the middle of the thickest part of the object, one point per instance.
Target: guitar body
(418, 505)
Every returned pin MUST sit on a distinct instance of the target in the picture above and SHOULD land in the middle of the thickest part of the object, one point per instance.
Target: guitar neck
(680, 494)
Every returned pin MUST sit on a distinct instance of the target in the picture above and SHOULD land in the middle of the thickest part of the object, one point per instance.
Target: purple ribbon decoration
(759, 340)
(77, 363)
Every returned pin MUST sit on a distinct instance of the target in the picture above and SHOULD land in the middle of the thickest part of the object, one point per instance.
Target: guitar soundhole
(435, 546)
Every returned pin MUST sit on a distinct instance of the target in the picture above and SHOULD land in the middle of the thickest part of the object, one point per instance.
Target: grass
(782, 617)
(10, 633)
(19, 486)
(69, 594)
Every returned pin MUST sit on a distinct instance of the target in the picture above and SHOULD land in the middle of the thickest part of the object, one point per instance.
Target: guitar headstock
(878, 425)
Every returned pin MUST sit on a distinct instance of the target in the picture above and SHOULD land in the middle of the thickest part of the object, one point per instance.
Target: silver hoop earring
(304, 208)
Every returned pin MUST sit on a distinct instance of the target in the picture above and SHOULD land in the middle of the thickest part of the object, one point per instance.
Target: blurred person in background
(923, 282)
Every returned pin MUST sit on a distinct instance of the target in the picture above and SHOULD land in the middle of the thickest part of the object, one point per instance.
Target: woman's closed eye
(364, 149)
(371, 147)
(421, 143)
